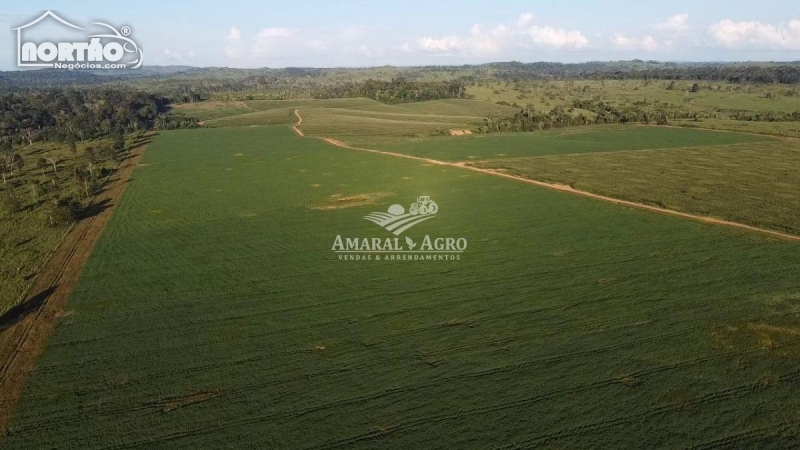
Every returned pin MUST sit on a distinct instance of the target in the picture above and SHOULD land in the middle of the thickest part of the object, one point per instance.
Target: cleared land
(716, 101)
(352, 117)
(753, 183)
(269, 117)
(589, 139)
(713, 97)
(213, 313)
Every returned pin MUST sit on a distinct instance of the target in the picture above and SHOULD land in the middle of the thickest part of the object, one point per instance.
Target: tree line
(766, 116)
(396, 90)
(786, 73)
(529, 119)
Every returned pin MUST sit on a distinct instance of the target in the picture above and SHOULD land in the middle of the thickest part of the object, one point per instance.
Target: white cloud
(316, 44)
(524, 37)
(281, 47)
(665, 35)
(270, 42)
(269, 33)
(756, 35)
(556, 38)
(504, 36)
(446, 44)
(623, 42)
(678, 22)
(234, 48)
(525, 19)
(169, 56)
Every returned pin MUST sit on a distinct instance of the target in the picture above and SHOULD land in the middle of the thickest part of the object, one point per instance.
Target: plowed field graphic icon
(397, 220)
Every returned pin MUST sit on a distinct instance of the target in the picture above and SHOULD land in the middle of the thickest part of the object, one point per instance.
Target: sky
(310, 33)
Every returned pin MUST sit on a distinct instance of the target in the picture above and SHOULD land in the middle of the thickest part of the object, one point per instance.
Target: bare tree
(29, 134)
(53, 162)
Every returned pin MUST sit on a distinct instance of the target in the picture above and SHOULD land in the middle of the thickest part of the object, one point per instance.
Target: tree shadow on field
(22, 310)
(143, 141)
(95, 209)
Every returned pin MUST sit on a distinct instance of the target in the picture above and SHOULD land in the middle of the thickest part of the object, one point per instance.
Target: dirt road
(299, 121)
(24, 330)
(571, 190)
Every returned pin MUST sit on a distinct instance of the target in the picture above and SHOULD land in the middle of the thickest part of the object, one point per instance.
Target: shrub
(9, 203)
(59, 212)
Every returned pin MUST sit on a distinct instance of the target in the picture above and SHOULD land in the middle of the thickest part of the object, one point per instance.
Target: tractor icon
(423, 206)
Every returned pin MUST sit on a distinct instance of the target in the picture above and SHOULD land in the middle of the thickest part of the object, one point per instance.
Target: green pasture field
(336, 123)
(26, 242)
(712, 97)
(266, 105)
(447, 107)
(254, 118)
(790, 129)
(754, 182)
(587, 139)
(350, 116)
(213, 313)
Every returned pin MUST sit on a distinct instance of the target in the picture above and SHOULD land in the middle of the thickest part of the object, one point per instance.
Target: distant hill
(148, 76)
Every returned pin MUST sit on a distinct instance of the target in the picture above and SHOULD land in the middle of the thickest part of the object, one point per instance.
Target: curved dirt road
(299, 121)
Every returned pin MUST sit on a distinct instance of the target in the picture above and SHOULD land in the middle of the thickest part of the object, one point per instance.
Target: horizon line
(412, 66)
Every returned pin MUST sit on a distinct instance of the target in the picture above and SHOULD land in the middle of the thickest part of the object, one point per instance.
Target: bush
(58, 213)
(9, 203)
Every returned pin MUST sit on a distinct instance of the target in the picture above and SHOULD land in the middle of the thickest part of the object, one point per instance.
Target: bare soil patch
(336, 201)
(460, 132)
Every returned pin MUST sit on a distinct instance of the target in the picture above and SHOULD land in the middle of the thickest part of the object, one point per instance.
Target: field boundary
(565, 188)
(24, 336)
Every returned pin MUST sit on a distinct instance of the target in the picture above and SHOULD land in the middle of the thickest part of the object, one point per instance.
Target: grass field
(790, 129)
(712, 97)
(27, 239)
(752, 183)
(588, 139)
(26, 242)
(212, 312)
(269, 117)
(349, 116)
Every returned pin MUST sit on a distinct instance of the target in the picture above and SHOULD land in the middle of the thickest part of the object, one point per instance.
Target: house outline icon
(19, 29)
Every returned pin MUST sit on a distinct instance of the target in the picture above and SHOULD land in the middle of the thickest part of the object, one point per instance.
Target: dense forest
(64, 115)
(787, 73)
(389, 84)
(397, 90)
(528, 119)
